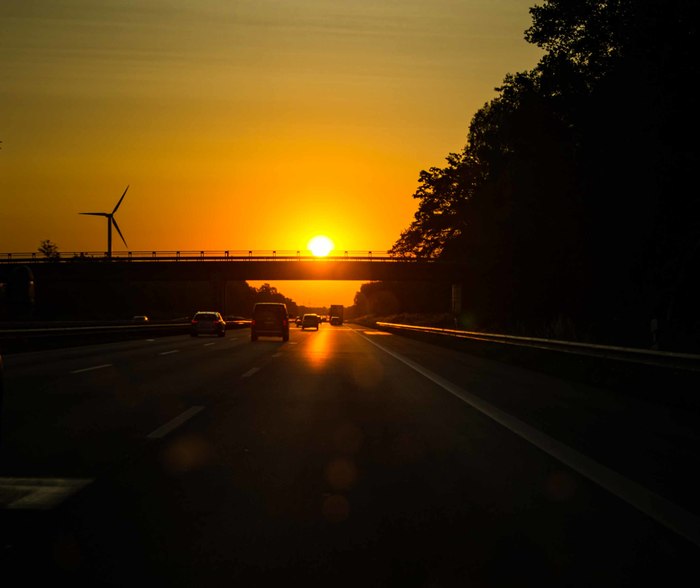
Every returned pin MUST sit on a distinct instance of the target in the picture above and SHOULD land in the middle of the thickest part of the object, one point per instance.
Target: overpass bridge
(232, 265)
(220, 267)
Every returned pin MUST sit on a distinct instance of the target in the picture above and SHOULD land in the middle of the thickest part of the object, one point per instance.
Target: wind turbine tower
(110, 221)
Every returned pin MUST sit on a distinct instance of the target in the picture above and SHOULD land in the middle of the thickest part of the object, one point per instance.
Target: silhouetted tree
(570, 200)
(49, 250)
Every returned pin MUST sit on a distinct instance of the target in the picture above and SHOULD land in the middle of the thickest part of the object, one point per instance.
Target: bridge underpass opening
(315, 293)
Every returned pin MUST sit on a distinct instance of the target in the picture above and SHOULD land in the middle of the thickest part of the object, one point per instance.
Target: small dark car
(270, 319)
(310, 321)
(208, 323)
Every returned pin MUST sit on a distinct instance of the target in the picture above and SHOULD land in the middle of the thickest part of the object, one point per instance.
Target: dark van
(270, 319)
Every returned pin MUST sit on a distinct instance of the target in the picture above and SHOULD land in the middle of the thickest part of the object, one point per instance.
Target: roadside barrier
(659, 376)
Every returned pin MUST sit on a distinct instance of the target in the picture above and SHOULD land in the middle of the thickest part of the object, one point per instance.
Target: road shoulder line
(653, 505)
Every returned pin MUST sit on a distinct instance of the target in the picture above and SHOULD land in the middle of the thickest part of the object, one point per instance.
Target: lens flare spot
(336, 508)
(341, 473)
(186, 454)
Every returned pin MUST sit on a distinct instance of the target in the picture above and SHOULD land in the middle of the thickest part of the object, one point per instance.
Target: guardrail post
(177, 255)
(153, 254)
(250, 255)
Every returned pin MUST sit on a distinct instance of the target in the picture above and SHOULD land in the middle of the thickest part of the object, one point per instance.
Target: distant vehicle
(208, 322)
(337, 310)
(335, 321)
(310, 321)
(139, 318)
(270, 319)
(297, 322)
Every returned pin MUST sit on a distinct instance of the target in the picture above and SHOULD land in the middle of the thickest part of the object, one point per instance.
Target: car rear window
(277, 309)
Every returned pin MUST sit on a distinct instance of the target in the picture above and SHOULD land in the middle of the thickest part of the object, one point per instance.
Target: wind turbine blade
(116, 226)
(120, 200)
(95, 213)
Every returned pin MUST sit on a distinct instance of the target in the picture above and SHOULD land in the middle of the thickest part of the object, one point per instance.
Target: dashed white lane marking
(657, 507)
(38, 493)
(169, 352)
(250, 372)
(93, 368)
(276, 354)
(162, 431)
(209, 344)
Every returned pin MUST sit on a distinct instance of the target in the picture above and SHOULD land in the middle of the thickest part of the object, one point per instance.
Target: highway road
(345, 457)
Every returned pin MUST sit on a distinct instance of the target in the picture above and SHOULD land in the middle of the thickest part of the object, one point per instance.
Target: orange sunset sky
(239, 124)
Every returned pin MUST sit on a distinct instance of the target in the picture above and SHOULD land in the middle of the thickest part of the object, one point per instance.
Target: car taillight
(285, 322)
(252, 323)
(194, 322)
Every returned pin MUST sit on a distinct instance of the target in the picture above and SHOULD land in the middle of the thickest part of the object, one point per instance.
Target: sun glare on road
(320, 246)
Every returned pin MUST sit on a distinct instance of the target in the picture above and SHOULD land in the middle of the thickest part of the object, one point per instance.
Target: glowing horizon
(239, 127)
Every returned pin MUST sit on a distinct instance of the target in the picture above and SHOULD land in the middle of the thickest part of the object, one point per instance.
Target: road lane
(335, 464)
(63, 418)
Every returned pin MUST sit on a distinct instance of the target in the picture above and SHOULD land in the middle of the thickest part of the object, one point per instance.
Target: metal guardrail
(666, 359)
(223, 255)
(34, 338)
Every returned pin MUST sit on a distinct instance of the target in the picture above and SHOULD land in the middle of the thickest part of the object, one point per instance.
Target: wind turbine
(110, 221)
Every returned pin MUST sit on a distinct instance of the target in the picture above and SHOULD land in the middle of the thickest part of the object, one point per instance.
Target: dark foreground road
(342, 458)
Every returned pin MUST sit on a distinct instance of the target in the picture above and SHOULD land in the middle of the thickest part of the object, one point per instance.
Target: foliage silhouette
(573, 198)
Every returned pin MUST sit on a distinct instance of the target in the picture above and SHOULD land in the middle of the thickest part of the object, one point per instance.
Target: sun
(320, 246)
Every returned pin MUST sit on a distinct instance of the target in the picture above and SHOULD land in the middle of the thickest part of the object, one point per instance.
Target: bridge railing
(221, 255)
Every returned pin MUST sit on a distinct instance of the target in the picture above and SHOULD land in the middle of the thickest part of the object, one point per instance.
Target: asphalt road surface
(345, 457)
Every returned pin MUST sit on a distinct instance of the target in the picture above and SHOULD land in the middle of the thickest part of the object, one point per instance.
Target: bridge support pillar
(456, 306)
(219, 289)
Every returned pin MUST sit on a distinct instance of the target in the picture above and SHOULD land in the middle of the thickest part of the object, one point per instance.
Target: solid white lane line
(250, 372)
(657, 507)
(90, 369)
(169, 352)
(162, 431)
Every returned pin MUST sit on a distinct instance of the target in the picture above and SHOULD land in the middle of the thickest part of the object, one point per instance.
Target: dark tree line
(97, 300)
(574, 199)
